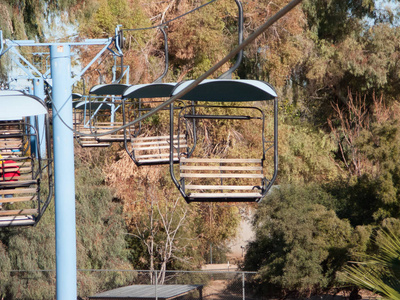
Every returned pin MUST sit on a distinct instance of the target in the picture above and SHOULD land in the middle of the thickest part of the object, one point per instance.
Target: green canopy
(150, 90)
(227, 90)
(116, 89)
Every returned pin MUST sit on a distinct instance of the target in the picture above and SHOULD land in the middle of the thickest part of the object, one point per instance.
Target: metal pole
(211, 260)
(244, 294)
(156, 295)
(32, 138)
(63, 172)
(38, 90)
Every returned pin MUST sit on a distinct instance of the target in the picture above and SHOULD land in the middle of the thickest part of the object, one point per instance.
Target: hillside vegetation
(335, 65)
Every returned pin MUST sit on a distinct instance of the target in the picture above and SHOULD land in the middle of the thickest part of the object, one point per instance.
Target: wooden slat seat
(222, 179)
(18, 195)
(156, 149)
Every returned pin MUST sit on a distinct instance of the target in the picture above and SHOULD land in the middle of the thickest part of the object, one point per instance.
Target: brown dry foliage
(127, 178)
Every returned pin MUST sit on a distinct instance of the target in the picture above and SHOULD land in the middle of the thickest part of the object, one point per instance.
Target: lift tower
(64, 176)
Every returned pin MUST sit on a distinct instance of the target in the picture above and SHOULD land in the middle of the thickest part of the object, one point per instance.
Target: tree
(299, 244)
(368, 140)
(158, 223)
(156, 216)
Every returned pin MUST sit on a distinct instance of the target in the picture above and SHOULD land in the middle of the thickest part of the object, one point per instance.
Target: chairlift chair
(227, 177)
(96, 115)
(145, 147)
(82, 120)
(23, 201)
(103, 120)
(150, 148)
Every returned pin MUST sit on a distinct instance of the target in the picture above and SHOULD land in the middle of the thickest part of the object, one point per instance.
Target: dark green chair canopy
(227, 90)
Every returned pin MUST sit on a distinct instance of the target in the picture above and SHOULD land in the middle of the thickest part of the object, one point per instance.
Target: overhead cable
(214, 68)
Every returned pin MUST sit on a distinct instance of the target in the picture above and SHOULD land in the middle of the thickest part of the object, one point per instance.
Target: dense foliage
(335, 65)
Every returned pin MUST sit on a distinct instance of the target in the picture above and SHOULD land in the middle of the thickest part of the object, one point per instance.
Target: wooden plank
(18, 199)
(219, 175)
(154, 148)
(11, 144)
(18, 191)
(220, 160)
(220, 187)
(110, 123)
(18, 212)
(9, 170)
(225, 195)
(154, 155)
(11, 131)
(26, 164)
(160, 142)
(17, 158)
(19, 183)
(22, 177)
(110, 136)
(95, 145)
(161, 160)
(222, 168)
(105, 129)
(6, 151)
(11, 140)
(155, 137)
(110, 139)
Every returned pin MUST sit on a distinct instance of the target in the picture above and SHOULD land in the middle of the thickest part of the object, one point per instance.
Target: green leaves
(299, 243)
(379, 273)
